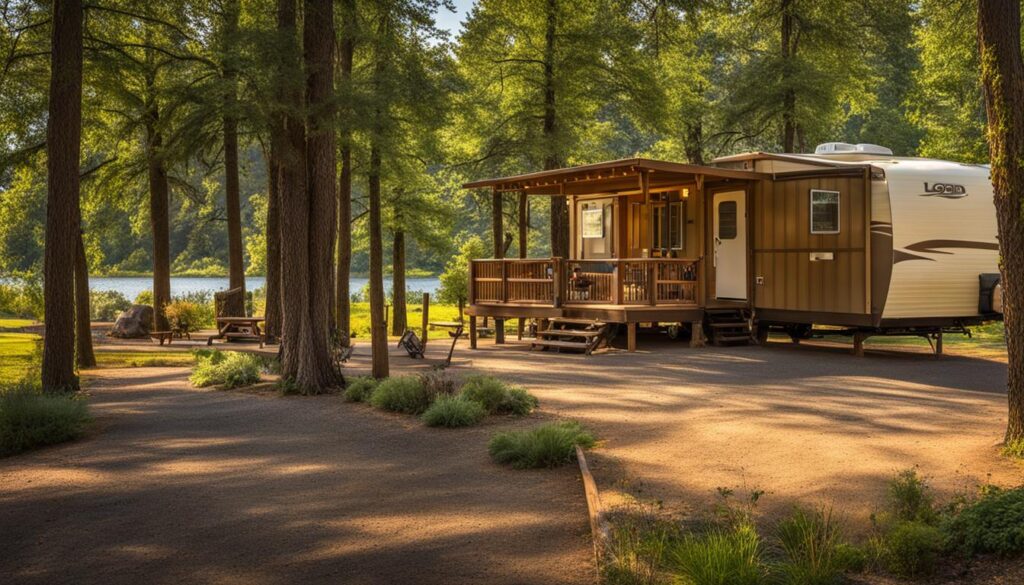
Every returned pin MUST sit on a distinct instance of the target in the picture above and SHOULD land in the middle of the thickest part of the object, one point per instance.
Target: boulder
(133, 323)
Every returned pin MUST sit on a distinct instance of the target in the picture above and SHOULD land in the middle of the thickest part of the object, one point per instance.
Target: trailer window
(824, 212)
(727, 220)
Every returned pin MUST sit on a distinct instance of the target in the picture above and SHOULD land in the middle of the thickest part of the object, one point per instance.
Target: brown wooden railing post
(652, 283)
(556, 284)
(504, 281)
(471, 290)
(616, 283)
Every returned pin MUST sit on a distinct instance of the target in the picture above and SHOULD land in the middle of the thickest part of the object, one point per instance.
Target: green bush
(230, 370)
(22, 297)
(722, 556)
(910, 548)
(453, 411)
(184, 316)
(994, 523)
(1014, 449)
(144, 298)
(405, 394)
(438, 383)
(360, 388)
(635, 549)
(107, 305)
(497, 397)
(548, 445)
(810, 541)
(910, 498)
(29, 418)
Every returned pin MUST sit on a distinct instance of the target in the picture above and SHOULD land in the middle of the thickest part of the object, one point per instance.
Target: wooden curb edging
(599, 527)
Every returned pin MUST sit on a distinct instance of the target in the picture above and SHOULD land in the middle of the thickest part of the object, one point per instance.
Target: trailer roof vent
(847, 148)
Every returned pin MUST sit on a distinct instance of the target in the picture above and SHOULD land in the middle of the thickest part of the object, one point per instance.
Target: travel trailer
(850, 237)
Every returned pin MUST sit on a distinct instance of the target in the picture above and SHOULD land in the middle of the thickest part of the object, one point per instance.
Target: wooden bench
(232, 328)
(162, 336)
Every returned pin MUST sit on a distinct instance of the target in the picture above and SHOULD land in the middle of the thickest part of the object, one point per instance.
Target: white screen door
(730, 245)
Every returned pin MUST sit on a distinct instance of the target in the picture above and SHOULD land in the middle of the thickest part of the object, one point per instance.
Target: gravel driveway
(187, 486)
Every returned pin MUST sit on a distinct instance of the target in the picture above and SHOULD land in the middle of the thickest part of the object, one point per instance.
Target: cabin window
(824, 212)
(675, 237)
(727, 220)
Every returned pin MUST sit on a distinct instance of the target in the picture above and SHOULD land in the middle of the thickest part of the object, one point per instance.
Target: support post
(938, 344)
(426, 316)
(472, 332)
(697, 334)
(858, 343)
(520, 326)
(631, 336)
(499, 331)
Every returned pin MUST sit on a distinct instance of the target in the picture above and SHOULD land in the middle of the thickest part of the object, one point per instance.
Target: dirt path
(809, 424)
(187, 486)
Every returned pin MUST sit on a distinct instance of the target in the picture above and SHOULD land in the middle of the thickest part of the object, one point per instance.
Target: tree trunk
(296, 329)
(524, 222)
(159, 214)
(559, 211)
(695, 143)
(497, 230)
(83, 325)
(378, 325)
(1002, 74)
(272, 314)
(399, 322)
(342, 292)
(235, 305)
(63, 145)
(789, 93)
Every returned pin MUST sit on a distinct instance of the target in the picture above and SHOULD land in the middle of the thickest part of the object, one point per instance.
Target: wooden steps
(579, 334)
(727, 326)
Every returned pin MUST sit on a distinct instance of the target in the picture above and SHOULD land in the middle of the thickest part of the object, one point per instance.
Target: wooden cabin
(728, 250)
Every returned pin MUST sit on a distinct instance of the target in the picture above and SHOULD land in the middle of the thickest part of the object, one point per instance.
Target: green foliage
(21, 297)
(144, 298)
(1014, 449)
(453, 411)
(184, 315)
(635, 548)
(722, 556)
(455, 278)
(910, 548)
(29, 418)
(405, 394)
(107, 305)
(497, 397)
(910, 498)
(226, 369)
(438, 383)
(360, 388)
(20, 353)
(549, 445)
(811, 541)
(994, 523)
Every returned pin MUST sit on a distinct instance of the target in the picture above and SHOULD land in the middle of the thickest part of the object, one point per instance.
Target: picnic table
(239, 328)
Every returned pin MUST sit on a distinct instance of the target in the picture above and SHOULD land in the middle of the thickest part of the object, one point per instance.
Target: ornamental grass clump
(228, 370)
(405, 394)
(815, 553)
(29, 418)
(730, 555)
(497, 397)
(548, 445)
(360, 389)
(453, 411)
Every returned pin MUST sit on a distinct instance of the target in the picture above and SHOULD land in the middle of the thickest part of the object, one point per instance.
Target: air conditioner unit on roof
(847, 148)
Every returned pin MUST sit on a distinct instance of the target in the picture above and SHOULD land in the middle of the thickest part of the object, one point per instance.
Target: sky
(451, 20)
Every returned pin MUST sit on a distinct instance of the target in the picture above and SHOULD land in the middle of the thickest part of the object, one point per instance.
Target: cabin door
(730, 245)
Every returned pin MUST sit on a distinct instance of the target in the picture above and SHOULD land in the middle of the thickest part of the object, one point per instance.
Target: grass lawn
(10, 323)
(16, 351)
(414, 316)
(142, 359)
(986, 341)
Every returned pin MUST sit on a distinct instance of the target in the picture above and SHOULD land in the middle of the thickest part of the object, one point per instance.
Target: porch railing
(557, 282)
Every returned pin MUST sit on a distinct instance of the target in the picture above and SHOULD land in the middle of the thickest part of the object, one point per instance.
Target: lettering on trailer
(944, 190)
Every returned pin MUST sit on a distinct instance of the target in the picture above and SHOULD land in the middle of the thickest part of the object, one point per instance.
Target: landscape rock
(133, 323)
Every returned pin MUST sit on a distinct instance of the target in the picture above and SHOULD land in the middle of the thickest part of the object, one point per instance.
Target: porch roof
(614, 176)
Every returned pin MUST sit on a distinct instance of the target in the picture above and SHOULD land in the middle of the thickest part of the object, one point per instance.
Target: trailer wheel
(798, 332)
(762, 334)
(674, 331)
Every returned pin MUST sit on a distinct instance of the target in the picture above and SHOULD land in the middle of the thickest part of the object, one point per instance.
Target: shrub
(438, 384)
(22, 297)
(910, 548)
(360, 388)
(721, 557)
(107, 305)
(548, 445)
(29, 418)
(994, 523)
(183, 315)
(453, 411)
(1014, 449)
(635, 548)
(405, 394)
(144, 298)
(498, 397)
(810, 541)
(202, 312)
(230, 370)
(910, 498)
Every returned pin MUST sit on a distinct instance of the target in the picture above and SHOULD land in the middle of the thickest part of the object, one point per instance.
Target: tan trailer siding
(785, 276)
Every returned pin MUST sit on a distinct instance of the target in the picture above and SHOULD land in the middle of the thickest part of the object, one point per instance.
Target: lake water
(131, 286)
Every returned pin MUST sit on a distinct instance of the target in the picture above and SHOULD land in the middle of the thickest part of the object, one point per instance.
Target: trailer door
(730, 245)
